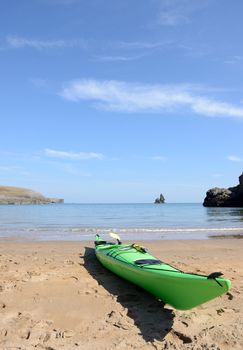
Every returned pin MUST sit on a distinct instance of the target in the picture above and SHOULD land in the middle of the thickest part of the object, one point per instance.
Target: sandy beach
(56, 295)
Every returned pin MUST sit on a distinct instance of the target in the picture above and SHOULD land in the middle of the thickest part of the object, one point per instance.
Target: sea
(74, 222)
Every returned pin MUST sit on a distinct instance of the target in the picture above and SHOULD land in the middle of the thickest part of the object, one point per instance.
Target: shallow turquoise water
(131, 221)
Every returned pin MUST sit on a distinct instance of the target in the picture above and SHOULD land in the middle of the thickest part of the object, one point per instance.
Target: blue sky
(118, 101)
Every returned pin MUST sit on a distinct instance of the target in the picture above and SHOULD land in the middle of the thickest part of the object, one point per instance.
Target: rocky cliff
(18, 195)
(225, 197)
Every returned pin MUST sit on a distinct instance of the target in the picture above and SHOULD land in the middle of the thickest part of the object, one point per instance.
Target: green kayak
(179, 289)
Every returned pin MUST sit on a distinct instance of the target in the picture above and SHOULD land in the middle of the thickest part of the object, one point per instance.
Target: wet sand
(56, 295)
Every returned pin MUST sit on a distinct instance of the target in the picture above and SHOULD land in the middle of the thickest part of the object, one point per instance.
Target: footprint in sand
(63, 334)
(3, 333)
(2, 305)
(69, 262)
(184, 338)
(118, 320)
(74, 278)
(220, 311)
(230, 296)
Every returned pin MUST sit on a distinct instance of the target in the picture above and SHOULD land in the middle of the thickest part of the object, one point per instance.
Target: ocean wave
(88, 233)
(93, 230)
(155, 230)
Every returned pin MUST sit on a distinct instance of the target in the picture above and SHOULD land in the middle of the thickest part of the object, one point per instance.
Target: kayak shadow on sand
(148, 313)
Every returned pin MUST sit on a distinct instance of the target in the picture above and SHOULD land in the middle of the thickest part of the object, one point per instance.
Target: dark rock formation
(17, 195)
(222, 197)
(160, 200)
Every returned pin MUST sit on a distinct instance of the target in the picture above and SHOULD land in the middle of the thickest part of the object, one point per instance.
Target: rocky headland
(18, 195)
(225, 197)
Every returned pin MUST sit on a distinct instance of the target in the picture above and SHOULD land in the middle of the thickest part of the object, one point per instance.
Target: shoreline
(163, 234)
(31, 240)
(55, 294)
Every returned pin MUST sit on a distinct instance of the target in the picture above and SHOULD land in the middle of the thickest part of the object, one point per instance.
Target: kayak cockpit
(148, 262)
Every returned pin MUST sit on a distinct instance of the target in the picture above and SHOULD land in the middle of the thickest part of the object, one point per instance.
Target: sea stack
(225, 197)
(160, 199)
(18, 195)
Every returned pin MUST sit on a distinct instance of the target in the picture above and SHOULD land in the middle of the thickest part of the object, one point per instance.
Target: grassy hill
(19, 195)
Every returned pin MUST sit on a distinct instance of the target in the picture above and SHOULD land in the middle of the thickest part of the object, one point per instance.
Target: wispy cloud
(169, 18)
(177, 12)
(127, 97)
(13, 170)
(18, 42)
(146, 48)
(217, 175)
(70, 169)
(123, 51)
(234, 59)
(73, 155)
(234, 158)
(141, 45)
(117, 58)
(60, 2)
(39, 82)
(17, 156)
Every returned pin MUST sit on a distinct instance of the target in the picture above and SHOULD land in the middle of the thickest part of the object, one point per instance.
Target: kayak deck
(128, 254)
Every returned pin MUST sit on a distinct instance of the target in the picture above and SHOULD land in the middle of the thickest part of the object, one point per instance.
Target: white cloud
(73, 155)
(17, 42)
(234, 158)
(127, 97)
